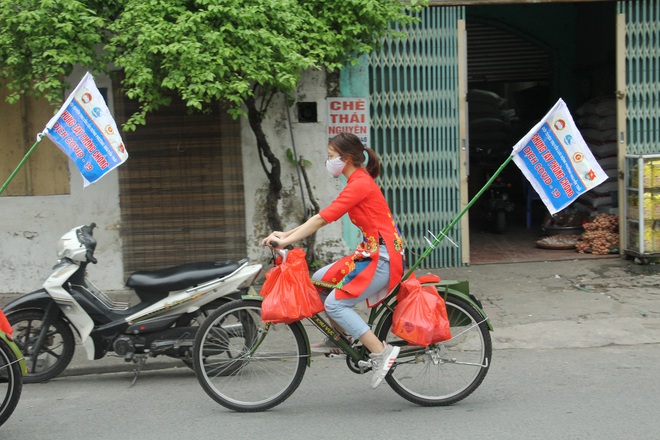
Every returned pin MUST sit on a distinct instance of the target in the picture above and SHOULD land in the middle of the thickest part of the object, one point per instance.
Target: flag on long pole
(85, 131)
(555, 159)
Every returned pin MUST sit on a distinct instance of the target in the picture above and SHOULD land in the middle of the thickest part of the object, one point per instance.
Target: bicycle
(12, 368)
(248, 365)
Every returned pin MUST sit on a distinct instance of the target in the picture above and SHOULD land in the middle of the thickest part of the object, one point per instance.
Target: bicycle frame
(377, 314)
(337, 338)
(323, 326)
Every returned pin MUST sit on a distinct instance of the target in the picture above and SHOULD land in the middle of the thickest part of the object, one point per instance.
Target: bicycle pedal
(333, 355)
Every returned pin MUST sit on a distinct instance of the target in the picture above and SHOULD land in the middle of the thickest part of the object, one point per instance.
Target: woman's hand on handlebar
(274, 240)
(284, 239)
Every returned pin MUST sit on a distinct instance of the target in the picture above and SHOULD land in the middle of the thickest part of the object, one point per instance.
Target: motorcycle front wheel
(53, 355)
(195, 320)
(11, 381)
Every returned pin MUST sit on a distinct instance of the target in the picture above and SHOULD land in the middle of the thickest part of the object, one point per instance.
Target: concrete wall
(31, 226)
(311, 143)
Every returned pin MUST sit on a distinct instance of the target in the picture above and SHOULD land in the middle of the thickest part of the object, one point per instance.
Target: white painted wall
(311, 143)
(31, 226)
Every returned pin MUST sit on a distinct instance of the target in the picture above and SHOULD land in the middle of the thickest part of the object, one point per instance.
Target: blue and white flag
(556, 160)
(86, 132)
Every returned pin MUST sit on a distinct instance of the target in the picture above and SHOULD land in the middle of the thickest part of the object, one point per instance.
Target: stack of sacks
(597, 123)
(489, 120)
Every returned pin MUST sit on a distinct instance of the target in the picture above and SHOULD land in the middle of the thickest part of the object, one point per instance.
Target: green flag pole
(21, 163)
(445, 231)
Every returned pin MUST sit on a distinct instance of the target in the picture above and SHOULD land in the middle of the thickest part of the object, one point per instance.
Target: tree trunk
(255, 118)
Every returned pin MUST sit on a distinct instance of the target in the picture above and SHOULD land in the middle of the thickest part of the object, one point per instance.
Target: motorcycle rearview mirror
(86, 238)
(89, 229)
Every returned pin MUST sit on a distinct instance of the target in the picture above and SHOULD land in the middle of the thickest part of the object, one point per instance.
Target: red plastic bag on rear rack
(288, 292)
(420, 316)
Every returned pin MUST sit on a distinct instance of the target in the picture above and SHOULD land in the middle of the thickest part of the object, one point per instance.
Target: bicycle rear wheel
(245, 364)
(443, 373)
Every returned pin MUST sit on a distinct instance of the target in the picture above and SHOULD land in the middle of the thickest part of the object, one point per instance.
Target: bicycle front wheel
(444, 373)
(11, 381)
(245, 364)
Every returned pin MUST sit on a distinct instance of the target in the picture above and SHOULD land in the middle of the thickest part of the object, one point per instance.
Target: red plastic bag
(289, 294)
(5, 326)
(420, 316)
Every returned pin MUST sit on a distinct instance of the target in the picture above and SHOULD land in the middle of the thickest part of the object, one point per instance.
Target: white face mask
(335, 166)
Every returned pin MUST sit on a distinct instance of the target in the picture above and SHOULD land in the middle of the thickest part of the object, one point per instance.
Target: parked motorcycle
(12, 368)
(498, 205)
(173, 302)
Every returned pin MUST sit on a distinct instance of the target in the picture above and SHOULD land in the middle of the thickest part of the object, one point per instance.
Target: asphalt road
(608, 392)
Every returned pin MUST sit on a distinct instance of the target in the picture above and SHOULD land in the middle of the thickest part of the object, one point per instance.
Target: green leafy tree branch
(239, 52)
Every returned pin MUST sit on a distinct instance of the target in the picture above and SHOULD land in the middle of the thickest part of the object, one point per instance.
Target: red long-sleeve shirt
(367, 208)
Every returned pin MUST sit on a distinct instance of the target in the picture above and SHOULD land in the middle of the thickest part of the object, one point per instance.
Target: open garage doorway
(521, 59)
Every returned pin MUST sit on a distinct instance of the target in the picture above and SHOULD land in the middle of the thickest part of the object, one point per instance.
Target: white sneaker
(382, 362)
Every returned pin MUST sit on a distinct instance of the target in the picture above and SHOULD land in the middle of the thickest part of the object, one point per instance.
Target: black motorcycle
(172, 303)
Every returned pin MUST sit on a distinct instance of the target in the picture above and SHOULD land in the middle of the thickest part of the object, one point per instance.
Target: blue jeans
(342, 310)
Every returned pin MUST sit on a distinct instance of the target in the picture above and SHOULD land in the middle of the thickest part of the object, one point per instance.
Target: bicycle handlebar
(273, 244)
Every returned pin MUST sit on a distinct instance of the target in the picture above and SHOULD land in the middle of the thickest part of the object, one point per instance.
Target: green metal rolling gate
(413, 85)
(642, 75)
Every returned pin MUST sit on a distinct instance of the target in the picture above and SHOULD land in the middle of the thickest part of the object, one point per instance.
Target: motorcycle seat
(180, 277)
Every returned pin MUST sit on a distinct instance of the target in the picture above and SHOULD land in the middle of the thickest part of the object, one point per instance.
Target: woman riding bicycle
(375, 267)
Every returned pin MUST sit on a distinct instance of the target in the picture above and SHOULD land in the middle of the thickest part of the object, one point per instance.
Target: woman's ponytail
(373, 163)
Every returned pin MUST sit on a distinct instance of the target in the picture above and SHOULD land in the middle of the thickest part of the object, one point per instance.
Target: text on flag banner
(85, 131)
(556, 160)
